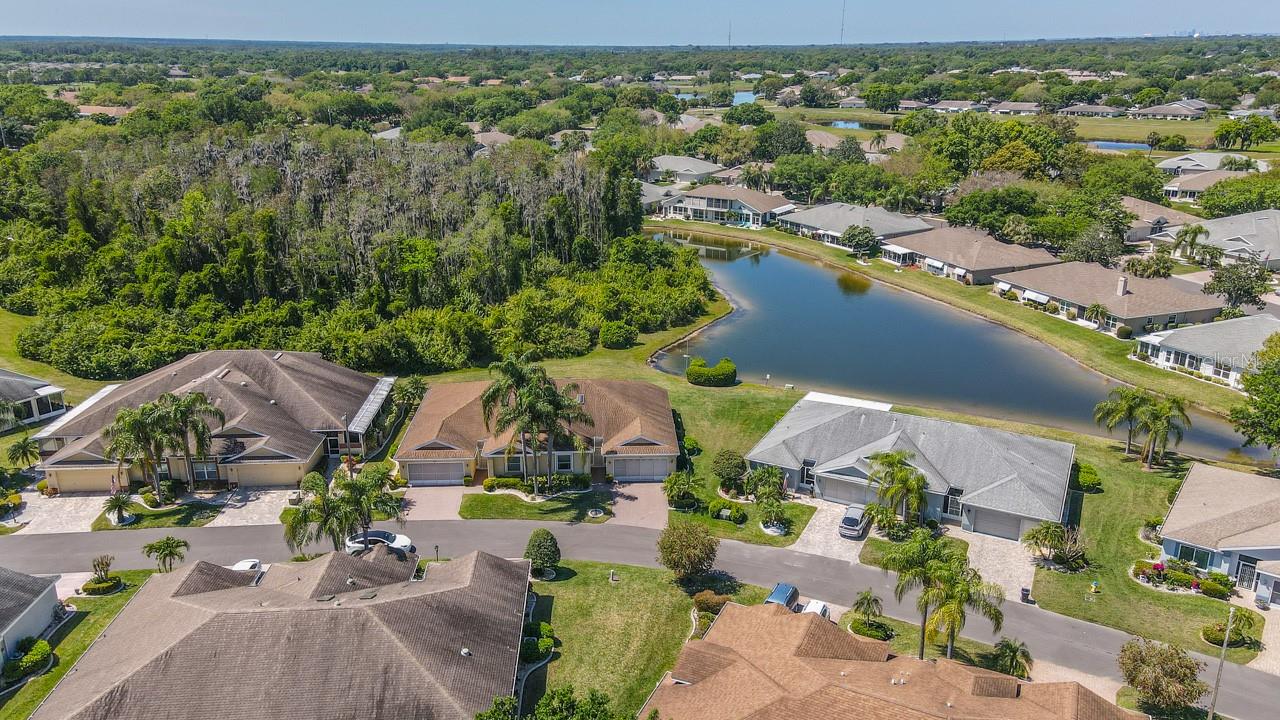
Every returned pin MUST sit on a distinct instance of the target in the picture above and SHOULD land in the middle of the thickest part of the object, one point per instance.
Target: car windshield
(853, 518)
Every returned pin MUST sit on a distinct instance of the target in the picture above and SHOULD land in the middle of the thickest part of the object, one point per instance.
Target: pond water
(742, 97)
(1113, 145)
(799, 322)
(687, 96)
(846, 124)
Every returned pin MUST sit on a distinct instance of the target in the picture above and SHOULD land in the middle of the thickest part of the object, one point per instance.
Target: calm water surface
(800, 322)
(1112, 145)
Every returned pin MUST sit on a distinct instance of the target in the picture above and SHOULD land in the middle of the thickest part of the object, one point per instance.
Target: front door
(1247, 572)
(331, 445)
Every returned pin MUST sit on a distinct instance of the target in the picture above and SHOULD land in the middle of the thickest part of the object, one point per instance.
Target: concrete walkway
(251, 506)
(1003, 562)
(1268, 659)
(822, 535)
(67, 513)
(639, 505)
(435, 503)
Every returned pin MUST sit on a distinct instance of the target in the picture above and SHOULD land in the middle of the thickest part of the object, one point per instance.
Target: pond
(856, 125)
(742, 97)
(799, 322)
(1113, 145)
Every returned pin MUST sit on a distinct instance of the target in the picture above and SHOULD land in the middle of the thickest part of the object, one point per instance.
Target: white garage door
(435, 473)
(639, 469)
(996, 523)
(845, 492)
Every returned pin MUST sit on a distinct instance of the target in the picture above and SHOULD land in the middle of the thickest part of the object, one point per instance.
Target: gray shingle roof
(1086, 283)
(973, 250)
(684, 163)
(756, 200)
(1255, 234)
(1197, 161)
(1232, 340)
(1221, 509)
(999, 470)
(291, 649)
(16, 386)
(838, 217)
(17, 592)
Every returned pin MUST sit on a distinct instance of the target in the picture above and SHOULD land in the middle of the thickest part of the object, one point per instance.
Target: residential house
(764, 662)
(828, 222)
(1222, 350)
(632, 437)
(681, 168)
(853, 101)
(114, 111)
(334, 637)
(33, 400)
(388, 134)
(1180, 110)
(1016, 108)
(1269, 113)
(490, 141)
(989, 481)
(822, 140)
(1199, 162)
(653, 196)
(1188, 188)
(912, 105)
(889, 142)
(28, 605)
(1229, 522)
(1249, 236)
(1141, 304)
(729, 204)
(1089, 110)
(459, 79)
(964, 254)
(1151, 219)
(956, 106)
(733, 175)
(285, 413)
(557, 139)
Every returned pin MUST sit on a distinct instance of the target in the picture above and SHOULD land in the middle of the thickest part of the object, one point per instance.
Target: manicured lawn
(1197, 132)
(874, 548)
(565, 508)
(1099, 351)
(798, 516)
(192, 514)
(77, 388)
(70, 642)
(1127, 697)
(906, 641)
(618, 638)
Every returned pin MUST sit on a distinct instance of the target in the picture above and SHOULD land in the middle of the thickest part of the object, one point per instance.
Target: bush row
(737, 515)
(33, 658)
(722, 374)
(559, 482)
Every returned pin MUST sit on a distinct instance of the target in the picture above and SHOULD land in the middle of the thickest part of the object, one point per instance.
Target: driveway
(67, 513)
(1268, 659)
(1003, 562)
(822, 535)
(435, 503)
(639, 505)
(252, 506)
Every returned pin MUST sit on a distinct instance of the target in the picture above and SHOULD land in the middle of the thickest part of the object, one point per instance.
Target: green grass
(565, 508)
(798, 516)
(1100, 351)
(191, 514)
(874, 548)
(70, 642)
(1127, 698)
(1197, 132)
(617, 638)
(10, 324)
(906, 641)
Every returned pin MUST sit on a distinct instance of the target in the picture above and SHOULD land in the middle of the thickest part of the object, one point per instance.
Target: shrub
(896, 531)
(1052, 308)
(94, 587)
(1153, 522)
(539, 630)
(542, 550)
(1141, 568)
(533, 649)
(737, 515)
(691, 446)
(1219, 578)
(687, 549)
(1213, 634)
(25, 644)
(34, 659)
(722, 374)
(1088, 479)
(728, 467)
(1124, 332)
(1179, 579)
(873, 629)
(709, 601)
(1010, 295)
(149, 499)
(490, 484)
(617, 335)
(1213, 590)
(44, 489)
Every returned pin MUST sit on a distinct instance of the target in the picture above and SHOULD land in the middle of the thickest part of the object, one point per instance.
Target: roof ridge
(413, 660)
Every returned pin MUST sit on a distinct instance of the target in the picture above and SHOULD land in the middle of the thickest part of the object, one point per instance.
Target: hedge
(873, 629)
(1214, 590)
(736, 514)
(1124, 332)
(1088, 480)
(617, 335)
(533, 649)
(709, 601)
(1213, 634)
(722, 374)
(101, 588)
(32, 661)
(1179, 579)
(559, 482)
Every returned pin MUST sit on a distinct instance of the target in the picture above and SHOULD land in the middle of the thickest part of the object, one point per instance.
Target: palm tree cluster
(24, 451)
(899, 485)
(1161, 419)
(148, 433)
(334, 512)
(523, 398)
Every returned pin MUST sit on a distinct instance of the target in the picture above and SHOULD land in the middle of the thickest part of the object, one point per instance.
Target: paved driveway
(1003, 562)
(252, 506)
(1268, 659)
(639, 505)
(435, 503)
(822, 535)
(67, 513)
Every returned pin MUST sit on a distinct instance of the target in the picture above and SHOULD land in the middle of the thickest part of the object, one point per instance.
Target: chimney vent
(1122, 286)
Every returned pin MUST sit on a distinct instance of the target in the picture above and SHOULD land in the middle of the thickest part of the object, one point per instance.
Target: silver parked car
(854, 523)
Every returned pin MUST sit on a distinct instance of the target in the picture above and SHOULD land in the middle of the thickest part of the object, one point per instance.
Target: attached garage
(434, 473)
(995, 523)
(845, 491)
(641, 469)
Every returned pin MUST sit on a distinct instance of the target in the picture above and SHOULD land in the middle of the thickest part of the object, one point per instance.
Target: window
(951, 505)
(1180, 358)
(1221, 370)
(162, 470)
(564, 463)
(43, 406)
(22, 411)
(55, 401)
(1194, 555)
(806, 473)
(205, 471)
(514, 463)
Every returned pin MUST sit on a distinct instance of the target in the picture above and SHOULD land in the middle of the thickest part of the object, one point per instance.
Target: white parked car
(247, 565)
(817, 607)
(355, 542)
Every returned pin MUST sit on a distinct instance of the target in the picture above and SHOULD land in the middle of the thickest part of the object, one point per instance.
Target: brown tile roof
(622, 411)
(380, 651)
(1086, 283)
(973, 249)
(493, 138)
(1221, 509)
(822, 139)
(1149, 212)
(761, 202)
(284, 399)
(758, 663)
(1202, 181)
(115, 111)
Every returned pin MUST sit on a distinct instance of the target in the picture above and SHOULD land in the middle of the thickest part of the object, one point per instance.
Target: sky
(633, 22)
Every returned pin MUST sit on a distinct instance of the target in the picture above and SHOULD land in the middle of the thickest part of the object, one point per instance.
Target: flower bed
(1159, 576)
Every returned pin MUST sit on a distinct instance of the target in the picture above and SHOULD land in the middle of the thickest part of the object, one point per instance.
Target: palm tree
(118, 504)
(1123, 405)
(504, 401)
(1187, 238)
(868, 605)
(958, 589)
(166, 551)
(919, 562)
(24, 452)
(753, 177)
(131, 436)
(365, 496)
(878, 140)
(319, 517)
(1097, 314)
(1012, 657)
(1163, 420)
(899, 484)
(407, 393)
(187, 417)
(678, 486)
(553, 410)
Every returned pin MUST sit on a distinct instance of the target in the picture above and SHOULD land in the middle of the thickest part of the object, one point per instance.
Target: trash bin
(1026, 595)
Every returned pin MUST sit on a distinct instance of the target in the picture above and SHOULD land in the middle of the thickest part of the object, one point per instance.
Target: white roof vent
(244, 383)
(272, 402)
(277, 356)
(466, 652)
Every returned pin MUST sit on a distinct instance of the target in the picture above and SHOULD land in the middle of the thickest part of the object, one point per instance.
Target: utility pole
(843, 5)
(1222, 659)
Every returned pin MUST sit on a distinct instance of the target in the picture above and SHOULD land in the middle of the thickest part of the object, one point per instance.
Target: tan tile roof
(822, 139)
(767, 663)
(622, 411)
(1203, 180)
(1221, 509)
(1086, 283)
(1149, 212)
(387, 649)
(973, 249)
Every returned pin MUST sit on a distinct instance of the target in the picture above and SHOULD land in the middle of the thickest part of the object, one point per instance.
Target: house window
(1180, 358)
(205, 471)
(564, 463)
(951, 505)
(1194, 555)
(514, 463)
(806, 473)
(1221, 370)
(43, 406)
(1112, 322)
(162, 470)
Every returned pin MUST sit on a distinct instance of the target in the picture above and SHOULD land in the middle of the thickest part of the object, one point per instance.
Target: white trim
(372, 405)
(48, 430)
(434, 441)
(1034, 296)
(48, 390)
(847, 401)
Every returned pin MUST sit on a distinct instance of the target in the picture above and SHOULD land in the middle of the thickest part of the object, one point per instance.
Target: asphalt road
(1246, 694)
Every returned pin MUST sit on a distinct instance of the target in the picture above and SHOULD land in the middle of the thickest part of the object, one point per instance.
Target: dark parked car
(855, 522)
(783, 594)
